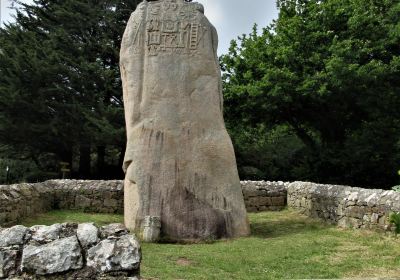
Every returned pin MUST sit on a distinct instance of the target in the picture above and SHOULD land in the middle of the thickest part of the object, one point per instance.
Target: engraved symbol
(152, 50)
(154, 38)
(170, 26)
(155, 9)
(194, 34)
(170, 5)
(153, 25)
(187, 12)
(174, 29)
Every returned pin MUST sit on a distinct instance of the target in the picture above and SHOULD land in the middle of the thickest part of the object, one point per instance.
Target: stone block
(278, 201)
(13, 236)
(55, 257)
(110, 255)
(8, 262)
(111, 203)
(88, 234)
(82, 202)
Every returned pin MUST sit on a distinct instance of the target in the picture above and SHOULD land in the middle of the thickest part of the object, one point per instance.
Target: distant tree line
(314, 96)
(60, 89)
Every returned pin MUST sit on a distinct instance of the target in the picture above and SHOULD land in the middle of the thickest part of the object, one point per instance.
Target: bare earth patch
(184, 262)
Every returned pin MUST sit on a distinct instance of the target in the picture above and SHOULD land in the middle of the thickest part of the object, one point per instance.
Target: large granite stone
(13, 236)
(58, 256)
(45, 234)
(113, 231)
(122, 254)
(180, 163)
(88, 234)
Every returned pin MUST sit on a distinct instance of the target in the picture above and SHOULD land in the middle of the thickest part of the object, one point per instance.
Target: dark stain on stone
(186, 217)
(151, 136)
(162, 139)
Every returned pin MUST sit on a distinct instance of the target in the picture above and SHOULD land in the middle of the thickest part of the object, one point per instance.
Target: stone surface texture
(45, 234)
(13, 236)
(115, 255)
(151, 229)
(8, 261)
(88, 234)
(55, 257)
(70, 251)
(180, 163)
(343, 205)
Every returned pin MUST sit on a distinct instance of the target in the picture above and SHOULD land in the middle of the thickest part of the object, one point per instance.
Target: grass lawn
(62, 216)
(283, 245)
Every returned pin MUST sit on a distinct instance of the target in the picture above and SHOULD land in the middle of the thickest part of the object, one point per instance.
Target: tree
(60, 88)
(328, 71)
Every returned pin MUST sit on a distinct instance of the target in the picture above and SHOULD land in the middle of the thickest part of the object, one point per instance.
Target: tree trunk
(101, 153)
(84, 161)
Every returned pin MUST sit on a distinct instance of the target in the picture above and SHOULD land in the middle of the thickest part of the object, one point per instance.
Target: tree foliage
(327, 72)
(60, 87)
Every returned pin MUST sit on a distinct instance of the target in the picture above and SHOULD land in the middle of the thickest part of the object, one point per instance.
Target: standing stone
(179, 162)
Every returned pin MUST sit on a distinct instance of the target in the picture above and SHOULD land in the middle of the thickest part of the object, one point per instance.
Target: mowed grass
(283, 245)
(64, 216)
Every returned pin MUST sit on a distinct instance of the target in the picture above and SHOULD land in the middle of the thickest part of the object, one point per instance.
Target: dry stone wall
(89, 196)
(24, 200)
(264, 196)
(343, 205)
(19, 201)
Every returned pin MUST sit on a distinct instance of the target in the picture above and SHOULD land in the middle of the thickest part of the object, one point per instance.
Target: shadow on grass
(285, 226)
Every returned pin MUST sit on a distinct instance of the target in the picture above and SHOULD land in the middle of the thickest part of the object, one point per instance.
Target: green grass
(283, 245)
(63, 216)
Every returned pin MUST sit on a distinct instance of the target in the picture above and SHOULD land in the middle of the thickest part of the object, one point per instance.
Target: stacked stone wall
(24, 200)
(69, 252)
(264, 196)
(88, 196)
(343, 205)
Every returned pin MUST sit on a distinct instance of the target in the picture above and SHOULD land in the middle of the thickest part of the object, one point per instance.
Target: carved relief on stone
(171, 26)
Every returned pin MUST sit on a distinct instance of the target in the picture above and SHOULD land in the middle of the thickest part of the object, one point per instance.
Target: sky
(232, 18)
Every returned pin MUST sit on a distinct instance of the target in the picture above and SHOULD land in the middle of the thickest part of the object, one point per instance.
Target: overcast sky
(232, 18)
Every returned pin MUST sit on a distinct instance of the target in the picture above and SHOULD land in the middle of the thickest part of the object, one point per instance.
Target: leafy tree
(60, 88)
(328, 71)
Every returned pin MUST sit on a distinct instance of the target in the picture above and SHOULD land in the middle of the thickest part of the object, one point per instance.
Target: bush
(395, 219)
